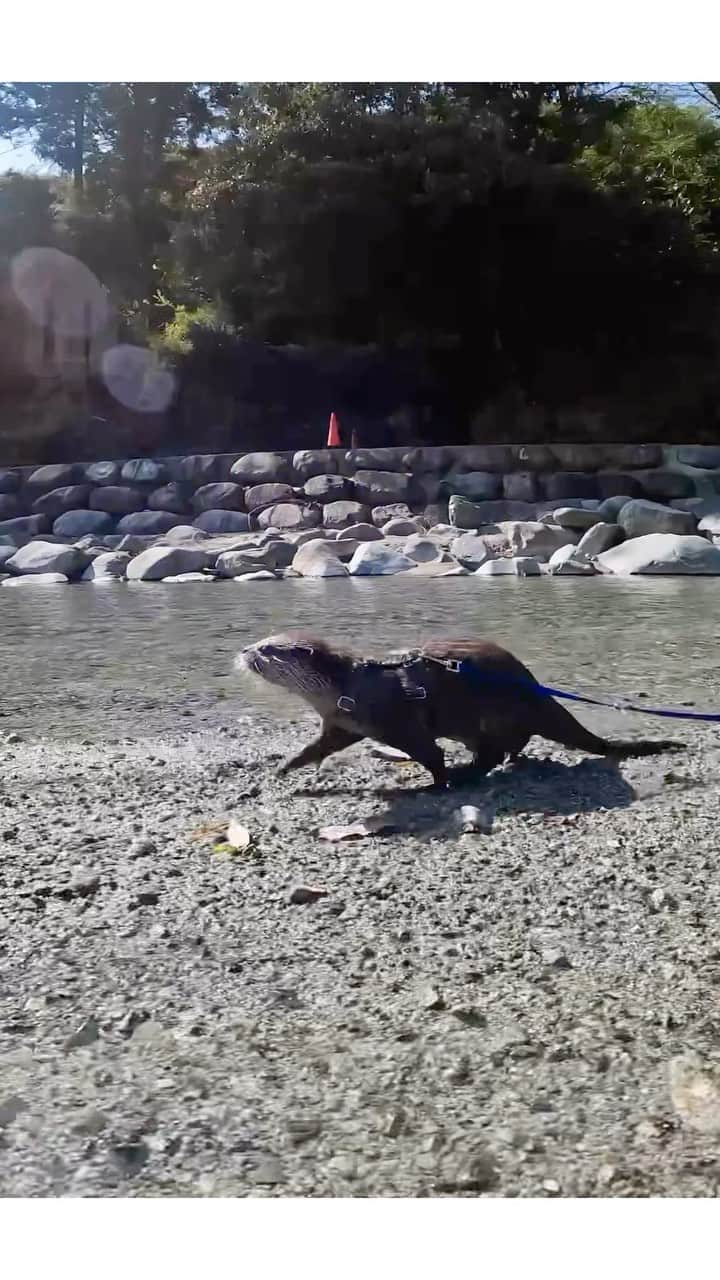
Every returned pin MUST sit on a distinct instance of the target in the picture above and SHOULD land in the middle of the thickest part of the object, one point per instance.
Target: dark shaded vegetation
(439, 262)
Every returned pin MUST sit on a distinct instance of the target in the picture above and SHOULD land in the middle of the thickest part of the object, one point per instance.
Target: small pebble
(268, 1171)
(304, 894)
(86, 1034)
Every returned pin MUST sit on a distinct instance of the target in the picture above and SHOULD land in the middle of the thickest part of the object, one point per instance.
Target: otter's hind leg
(333, 738)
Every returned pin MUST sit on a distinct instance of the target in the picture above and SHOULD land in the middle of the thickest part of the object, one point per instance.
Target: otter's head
(301, 665)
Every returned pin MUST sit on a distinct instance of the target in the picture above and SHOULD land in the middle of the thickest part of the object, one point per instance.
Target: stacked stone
(495, 509)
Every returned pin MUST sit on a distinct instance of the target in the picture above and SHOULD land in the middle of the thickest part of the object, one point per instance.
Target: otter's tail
(557, 724)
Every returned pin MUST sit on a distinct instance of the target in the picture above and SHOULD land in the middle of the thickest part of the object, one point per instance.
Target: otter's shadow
(529, 786)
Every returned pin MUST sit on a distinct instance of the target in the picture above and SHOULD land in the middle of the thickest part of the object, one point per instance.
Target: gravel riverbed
(417, 1013)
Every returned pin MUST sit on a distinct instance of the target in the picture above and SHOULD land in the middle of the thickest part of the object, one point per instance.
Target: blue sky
(20, 155)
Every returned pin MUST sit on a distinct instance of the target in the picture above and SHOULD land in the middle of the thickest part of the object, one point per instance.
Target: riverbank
(483, 1015)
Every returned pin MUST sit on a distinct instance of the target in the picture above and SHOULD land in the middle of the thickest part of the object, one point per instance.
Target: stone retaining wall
(232, 493)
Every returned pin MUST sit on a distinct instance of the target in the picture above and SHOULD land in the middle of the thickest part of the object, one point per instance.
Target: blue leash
(469, 671)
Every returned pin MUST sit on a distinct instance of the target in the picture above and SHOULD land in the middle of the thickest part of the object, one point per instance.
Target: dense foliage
(553, 241)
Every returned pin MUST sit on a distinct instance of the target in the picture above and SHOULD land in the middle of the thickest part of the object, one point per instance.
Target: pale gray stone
(662, 553)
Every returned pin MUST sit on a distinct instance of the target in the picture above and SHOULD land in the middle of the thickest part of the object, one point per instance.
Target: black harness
(468, 670)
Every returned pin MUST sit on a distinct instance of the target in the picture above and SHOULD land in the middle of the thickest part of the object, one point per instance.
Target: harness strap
(470, 672)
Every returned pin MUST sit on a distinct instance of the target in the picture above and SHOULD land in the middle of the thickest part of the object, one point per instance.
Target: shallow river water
(104, 662)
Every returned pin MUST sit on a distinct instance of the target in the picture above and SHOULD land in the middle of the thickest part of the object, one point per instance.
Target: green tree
(64, 122)
(661, 154)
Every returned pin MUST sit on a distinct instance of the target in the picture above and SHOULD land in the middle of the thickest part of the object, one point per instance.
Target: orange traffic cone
(333, 440)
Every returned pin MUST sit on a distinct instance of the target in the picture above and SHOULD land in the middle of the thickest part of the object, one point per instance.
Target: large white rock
(473, 549)
(530, 537)
(422, 550)
(48, 557)
(37, 580)
(376, 558)
(106, 566)
(568, 560)
(289, 515)
(662, 553)
(165, 562)
(319, 559)
(640, 516)
(501, 568)
(710, 524)
(274, 555)
(190, 577)
(510, 567)
(438, 569)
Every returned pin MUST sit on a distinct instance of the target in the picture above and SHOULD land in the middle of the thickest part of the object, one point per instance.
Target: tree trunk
(79, 140)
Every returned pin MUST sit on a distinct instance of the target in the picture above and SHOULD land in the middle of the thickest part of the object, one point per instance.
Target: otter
(410, 702)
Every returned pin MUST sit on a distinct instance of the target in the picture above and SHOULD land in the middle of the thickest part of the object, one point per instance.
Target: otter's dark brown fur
(410, 707)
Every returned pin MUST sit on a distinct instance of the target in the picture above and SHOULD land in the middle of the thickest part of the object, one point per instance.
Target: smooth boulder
(22, 528)
(378, 487)
(48, 557)
(344, 512)
(53, 476)
(574, 518)
(117, 500)
(76, 524)
(274, 555)
(149, 523)
(399, 528)
(360, 533)
(144, 471)
(314, 462)
(464, 514)
(289, 516)
(101, 473)
(477, 486)
(530, 537)
(318, 559)
(662, 553)
(72, 497)
(376, 558)
(258, 496)
(38, 580)
(107, 566)
(710, 524)
(163, 562)
(261, 468)
(568, 560)
(222, 522)
(600, 538)
(639, 517)
(326, 488)
(473, 549)
(10, 506)
(170, 497)
(422, 550)
(223, 495)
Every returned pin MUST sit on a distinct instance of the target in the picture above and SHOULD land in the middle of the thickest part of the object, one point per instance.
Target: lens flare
(136, 379)
(59, 292)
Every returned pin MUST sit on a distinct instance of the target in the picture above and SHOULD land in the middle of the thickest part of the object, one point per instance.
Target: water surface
(87, 661)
